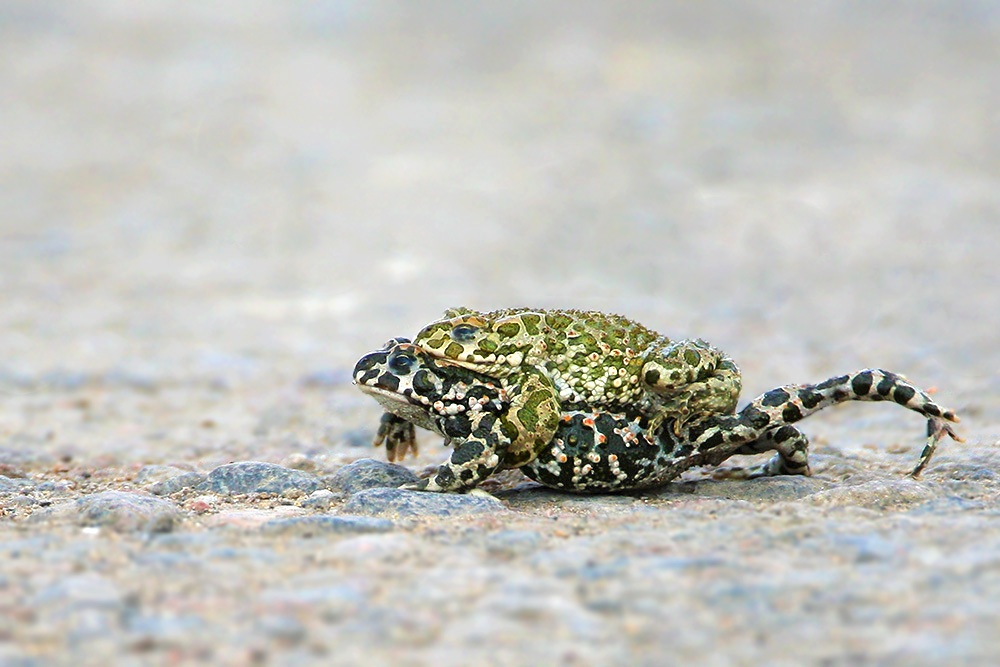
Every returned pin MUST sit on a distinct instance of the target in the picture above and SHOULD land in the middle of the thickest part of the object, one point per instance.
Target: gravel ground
(211, 210)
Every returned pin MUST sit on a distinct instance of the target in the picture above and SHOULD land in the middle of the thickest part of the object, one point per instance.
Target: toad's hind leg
(792, 458)
(790, 403)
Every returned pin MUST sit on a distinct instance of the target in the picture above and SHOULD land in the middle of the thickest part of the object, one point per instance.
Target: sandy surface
(207, 214)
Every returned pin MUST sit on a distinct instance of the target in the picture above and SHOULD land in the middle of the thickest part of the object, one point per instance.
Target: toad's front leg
(480, 448)
(398, 435)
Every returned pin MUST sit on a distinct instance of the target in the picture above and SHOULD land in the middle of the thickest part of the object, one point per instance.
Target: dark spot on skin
(467, 452)
(862, 384)
(810, 398)
(713, 440)
(369, 361)
(840, 395)
(902, 395)
(457, 427)
(791, 413)
(696, 430)
(884, 386)
(757, 418)
(774, 398)
(935, 411)
(393, 342)
(388, 381)
(466, 475)
(445, 477)
(651, 377)
(832, 382)
(785, 433)
(423, 383)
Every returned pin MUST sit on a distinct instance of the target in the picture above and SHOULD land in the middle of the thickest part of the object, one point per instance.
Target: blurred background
(261, 190)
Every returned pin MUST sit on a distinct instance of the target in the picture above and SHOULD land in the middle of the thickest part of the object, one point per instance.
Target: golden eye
(464, 333)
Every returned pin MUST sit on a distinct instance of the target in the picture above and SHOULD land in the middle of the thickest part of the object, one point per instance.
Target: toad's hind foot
(936, 429)
(792, 456)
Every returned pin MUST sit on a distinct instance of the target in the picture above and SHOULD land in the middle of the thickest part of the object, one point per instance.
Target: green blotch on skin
(531, 323)
(453, 350)
(509, 429)
(488, 346)
(528, 417)
(518, 459)
(558, 321)
(509, 330)
(528, 413)
(588, 342)
(692, 357)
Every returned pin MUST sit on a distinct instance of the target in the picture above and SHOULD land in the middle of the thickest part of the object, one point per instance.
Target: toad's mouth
(384, 392)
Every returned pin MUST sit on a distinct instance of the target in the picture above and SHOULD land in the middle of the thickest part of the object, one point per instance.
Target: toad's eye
(401, 363)
(464, 333)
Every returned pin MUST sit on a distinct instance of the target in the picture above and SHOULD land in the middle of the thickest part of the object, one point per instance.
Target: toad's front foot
(936, 429)
(398, 435)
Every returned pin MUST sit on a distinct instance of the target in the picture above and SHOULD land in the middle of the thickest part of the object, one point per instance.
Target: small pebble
(320, 499)
(369, 474)
(311, 526)
(15, 484)
(258, 477)
(125, 512)
(880, 495)
(400, 502)
(177, 483)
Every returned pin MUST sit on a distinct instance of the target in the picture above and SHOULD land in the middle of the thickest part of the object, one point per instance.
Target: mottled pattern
(590, 358)
(595, 450)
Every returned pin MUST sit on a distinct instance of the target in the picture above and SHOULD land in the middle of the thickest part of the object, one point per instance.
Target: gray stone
(369, 474)
(311, 526)
(400, 502)
(771, 489)
(879, 495)
(320, 499)
(18, 500)
(15, 484)
(258, 477)
(158, 473)
(177, 483)
(127, 512)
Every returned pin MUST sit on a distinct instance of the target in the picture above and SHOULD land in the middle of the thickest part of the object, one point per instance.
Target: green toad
(590, 360)
(594, 450)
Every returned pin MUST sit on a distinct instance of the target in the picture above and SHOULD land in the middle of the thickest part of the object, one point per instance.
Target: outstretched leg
(725, 435)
